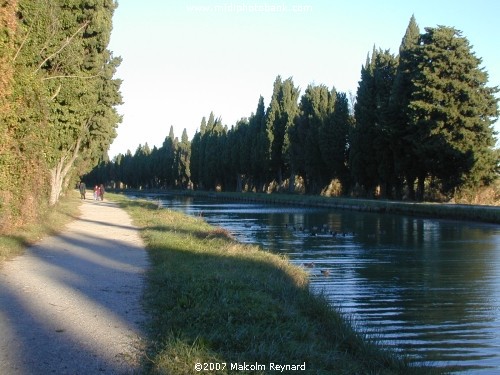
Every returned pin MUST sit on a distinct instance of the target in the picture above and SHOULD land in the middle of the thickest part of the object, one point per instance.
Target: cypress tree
(65, 48)
(406, 166)
(244, 137)
(316, 106)
(239, 141)
(370, 155)
(261, 146)
(452, 111)
(196, 160)
(279, 117)
(214, 141)
(141, 167)
(383, 75)
(24, 127)
(362, 159)
(183, 158)
(167, 160)
(334, 141)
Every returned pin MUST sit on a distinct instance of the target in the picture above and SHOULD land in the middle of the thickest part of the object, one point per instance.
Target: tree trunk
(398, 189)
(383, 190)
(280, 177)
(421, 188)
(59, 172)
(291, 183)
(239, 187)
(410, 181)
(55, 183)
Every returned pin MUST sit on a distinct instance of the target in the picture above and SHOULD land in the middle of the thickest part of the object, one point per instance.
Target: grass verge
(215, 301)
(50, 222)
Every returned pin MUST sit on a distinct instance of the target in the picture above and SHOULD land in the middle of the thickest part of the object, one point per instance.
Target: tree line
(57, 99)
(421, 122)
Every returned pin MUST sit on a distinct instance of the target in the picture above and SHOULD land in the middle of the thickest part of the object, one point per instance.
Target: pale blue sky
(184, 59)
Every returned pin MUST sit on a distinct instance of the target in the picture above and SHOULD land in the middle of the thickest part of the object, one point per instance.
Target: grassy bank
(215, 301)
(489, 214)
(52, 221)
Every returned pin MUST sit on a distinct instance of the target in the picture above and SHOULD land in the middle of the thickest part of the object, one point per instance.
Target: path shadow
(105, 275)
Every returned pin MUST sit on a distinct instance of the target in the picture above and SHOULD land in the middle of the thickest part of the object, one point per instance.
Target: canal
(427, 288)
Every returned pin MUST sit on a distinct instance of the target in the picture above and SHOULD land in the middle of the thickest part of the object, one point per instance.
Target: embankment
(219, 306)
(488, 214)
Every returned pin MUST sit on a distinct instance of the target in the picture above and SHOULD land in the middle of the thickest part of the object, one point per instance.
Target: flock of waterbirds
(299, 229)
(323, 231)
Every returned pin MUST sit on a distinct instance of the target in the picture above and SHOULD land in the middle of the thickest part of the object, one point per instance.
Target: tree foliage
(58, 98)
(406, 165)
(309, 148)
(371, 156)
(280, 116)
(452, 111)
(166, 167)
(421, 124)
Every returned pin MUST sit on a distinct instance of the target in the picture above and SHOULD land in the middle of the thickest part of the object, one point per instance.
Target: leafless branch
(56, 93)
(71, 76)
(22, 44)
(64, 45)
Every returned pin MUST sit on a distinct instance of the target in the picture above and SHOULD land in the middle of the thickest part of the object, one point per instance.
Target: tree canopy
(420, 125)
(59, 98)
(451, 112)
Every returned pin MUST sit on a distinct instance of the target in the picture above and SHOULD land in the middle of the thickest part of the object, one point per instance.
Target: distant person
(101, 192)
(83, 189)
(96, 193)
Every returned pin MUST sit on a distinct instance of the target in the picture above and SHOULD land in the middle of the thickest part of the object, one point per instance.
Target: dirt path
(72, 303)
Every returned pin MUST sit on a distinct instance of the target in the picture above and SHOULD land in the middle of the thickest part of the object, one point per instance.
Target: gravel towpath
(72, 304)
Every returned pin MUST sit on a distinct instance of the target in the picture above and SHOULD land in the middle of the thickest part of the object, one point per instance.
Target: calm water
(428, 288)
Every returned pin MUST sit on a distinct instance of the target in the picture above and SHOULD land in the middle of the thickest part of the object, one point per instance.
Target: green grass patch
(50, 222)
(214, 300)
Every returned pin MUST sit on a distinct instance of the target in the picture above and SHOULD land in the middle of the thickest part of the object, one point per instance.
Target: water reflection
(429, 288)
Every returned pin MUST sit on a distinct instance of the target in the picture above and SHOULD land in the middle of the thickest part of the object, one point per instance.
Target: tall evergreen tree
(127, 168)
(279, 117)
(213, 141)
(140, 169)
(183, 160)
(384, 72)
(316, 106)
(196, 158)
(167, 160)
(362, 160)
(23, 122)
(245, 136)
(57, 98)
(406, 166)
(155, 166)
(452, 111)
(238, 154)
(66, 42)
(370, 157)
(261, 146)
(334, 141)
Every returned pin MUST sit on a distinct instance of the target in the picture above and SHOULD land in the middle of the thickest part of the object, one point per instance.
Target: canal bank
(216, 302)
(487, 214)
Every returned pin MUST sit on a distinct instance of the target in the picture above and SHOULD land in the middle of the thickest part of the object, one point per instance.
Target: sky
(185, 59)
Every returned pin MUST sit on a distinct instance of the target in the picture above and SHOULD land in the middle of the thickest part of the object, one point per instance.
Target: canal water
(428, 288)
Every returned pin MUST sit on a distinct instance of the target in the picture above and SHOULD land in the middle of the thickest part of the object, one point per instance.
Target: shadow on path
(72, 303)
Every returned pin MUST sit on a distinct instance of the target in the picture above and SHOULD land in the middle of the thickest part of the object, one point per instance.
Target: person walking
(83, 189)
(101, 192)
